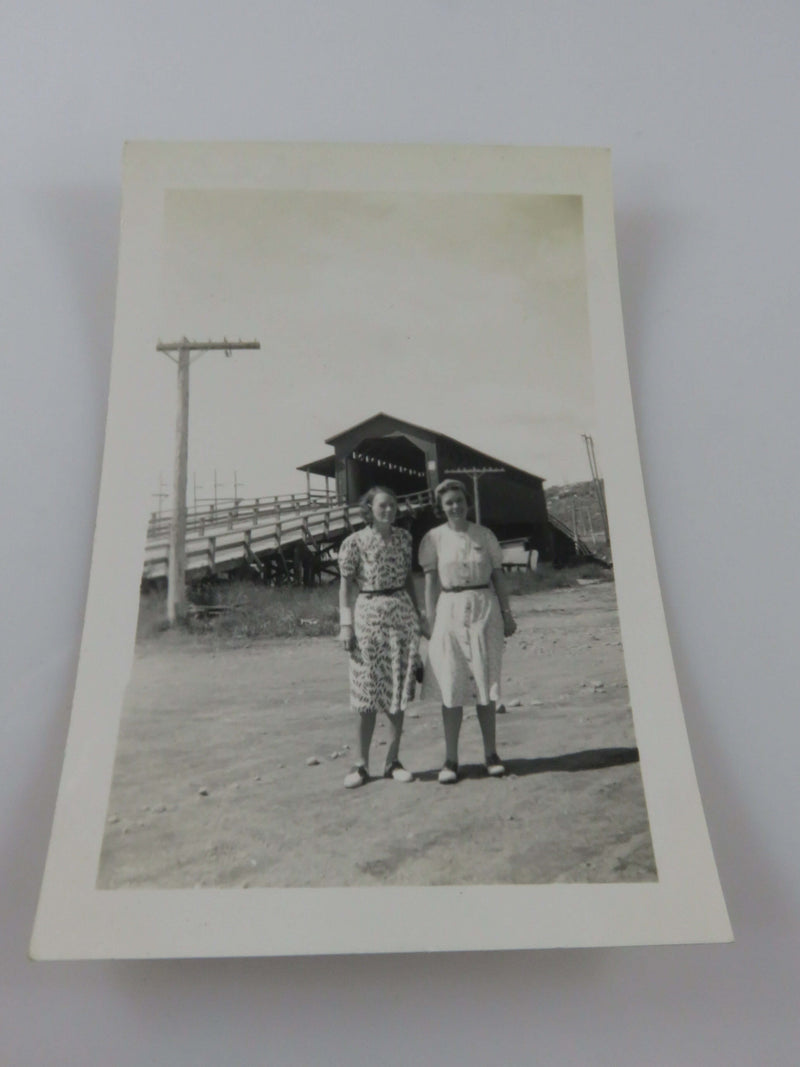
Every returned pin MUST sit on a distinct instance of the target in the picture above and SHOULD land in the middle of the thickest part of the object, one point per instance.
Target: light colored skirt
(466, 647)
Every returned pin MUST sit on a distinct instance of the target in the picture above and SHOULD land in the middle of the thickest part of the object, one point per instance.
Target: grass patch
(278, 611)
(152, 614)
(249, 610)
(547, 577)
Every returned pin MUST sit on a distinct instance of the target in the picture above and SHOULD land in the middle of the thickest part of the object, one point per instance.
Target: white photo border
(75, 920)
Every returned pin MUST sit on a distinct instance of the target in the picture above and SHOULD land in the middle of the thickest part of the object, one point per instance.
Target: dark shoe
(397, 771)
(495, 766)
(358, 775)
(449, 773)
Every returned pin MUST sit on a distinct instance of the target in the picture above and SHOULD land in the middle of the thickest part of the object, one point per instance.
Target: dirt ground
(213, 785)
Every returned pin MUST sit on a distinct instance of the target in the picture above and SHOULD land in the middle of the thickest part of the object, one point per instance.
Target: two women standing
(381, 624)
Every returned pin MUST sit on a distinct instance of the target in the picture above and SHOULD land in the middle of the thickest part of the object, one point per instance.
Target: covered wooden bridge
(295, 538)
(411, 459)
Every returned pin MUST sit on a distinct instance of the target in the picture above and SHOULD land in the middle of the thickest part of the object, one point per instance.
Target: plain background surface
(699, 104)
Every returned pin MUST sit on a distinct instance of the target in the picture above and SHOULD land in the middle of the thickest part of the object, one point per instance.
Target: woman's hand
(509, 624)
(424, 625)
(347, 638)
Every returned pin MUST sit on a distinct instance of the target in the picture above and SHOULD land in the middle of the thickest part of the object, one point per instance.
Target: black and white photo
(373, 527)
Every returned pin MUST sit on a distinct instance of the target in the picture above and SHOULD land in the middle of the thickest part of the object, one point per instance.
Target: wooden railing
(263, 530)
(231, 512)
(581, 547)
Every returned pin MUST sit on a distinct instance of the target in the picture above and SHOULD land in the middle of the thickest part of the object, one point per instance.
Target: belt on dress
(381, 592)
(462, 588)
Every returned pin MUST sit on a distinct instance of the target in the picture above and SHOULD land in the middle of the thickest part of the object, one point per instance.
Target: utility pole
(180, 352)
(475, 473)
(597, 486)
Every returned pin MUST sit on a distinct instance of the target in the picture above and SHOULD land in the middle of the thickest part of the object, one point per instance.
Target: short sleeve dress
(466, 646)
(386, 626)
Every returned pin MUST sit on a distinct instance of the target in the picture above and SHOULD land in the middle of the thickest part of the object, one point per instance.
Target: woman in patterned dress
(465, 592)
(381, 632)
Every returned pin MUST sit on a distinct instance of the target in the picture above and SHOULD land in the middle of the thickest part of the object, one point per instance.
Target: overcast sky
(463, 313)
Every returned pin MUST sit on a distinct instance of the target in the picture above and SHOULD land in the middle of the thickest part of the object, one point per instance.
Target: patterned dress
(466, 646)
(386, 627)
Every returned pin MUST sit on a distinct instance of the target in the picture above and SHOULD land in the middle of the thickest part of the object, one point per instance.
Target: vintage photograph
(383, 564)
(373, 523)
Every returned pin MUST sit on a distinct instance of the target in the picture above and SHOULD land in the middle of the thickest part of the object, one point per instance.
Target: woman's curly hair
(365, 503)
(447, 486)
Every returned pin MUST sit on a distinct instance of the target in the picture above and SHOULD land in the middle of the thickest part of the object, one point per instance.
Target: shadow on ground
(593, 759)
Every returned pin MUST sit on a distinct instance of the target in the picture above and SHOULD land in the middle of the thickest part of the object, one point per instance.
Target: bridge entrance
(393, 461)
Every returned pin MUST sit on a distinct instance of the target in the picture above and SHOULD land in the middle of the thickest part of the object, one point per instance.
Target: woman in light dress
(380, 629)
(465, 593)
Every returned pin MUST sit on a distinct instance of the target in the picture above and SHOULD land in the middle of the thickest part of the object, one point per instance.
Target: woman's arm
(499, 583)
(348, 591)
(411, 589)
(431, 595)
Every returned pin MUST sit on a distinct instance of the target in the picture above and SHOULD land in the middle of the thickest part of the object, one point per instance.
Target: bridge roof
(325, 466)
(421, 431)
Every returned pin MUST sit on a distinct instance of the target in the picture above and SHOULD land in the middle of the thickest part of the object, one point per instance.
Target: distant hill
(577, 505)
